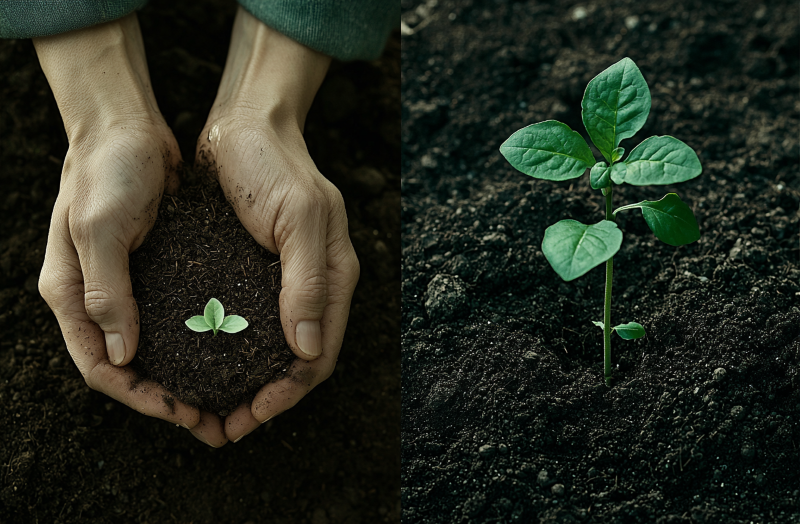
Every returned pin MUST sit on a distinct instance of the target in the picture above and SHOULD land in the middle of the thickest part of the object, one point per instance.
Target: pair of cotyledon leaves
(214, 319)
(615, 106)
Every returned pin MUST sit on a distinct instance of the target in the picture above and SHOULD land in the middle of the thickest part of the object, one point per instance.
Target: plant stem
(607, 315)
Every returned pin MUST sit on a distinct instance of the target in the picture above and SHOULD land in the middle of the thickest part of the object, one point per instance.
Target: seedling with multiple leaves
(214, 319)
(615, 106)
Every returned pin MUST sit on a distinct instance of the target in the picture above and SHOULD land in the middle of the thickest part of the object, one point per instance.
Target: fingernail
(115, 347)
(204, 441)
(309, 338)
(243, 436)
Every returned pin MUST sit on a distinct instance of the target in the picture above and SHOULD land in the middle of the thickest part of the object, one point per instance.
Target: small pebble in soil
(503, 449)
(719, 374)
(748, 451)
(544, 479)
(417, 323)
(558, 490)
(530, 357)
(486, 451)
(446, 298)
(737, 412)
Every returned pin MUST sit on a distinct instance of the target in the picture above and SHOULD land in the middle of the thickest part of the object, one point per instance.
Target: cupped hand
(286, 204)
(111, 185)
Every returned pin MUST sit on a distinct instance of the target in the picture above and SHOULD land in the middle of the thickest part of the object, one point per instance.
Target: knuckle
(85, 226)
(97, 301)
(309, 200)
(47, 286)
(313, 288)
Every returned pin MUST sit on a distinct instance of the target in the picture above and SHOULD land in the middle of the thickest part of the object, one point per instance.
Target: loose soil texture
(505, 415)
(197, 250)
(71, 455)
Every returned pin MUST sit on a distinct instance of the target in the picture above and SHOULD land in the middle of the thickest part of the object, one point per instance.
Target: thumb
(108, 297)
(304, 292)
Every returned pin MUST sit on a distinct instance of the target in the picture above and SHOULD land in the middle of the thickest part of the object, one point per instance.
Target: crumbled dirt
(505, 414)
(71, 455)
(198, 250)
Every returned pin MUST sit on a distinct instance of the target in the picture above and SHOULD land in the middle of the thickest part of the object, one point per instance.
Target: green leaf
(670, 219)
(197, 323)
(549, 150)
(662, 160)
(601, 174)
(599, 324)
(233, 324)
(214, 314)
(615, 105)
(573, 248)
(617, 153)
(629, 331)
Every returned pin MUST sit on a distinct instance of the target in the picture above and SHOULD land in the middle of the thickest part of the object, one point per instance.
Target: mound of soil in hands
(197, 250)
(505, 415)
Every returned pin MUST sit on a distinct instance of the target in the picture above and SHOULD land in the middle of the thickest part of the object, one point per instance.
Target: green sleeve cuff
(32, 18)
(343, 29)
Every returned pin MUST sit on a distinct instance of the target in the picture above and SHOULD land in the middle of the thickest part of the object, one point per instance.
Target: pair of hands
(123, 157)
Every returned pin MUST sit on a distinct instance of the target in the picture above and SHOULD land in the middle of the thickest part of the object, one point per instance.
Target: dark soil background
(505, 417)
(197, 250)
(69, 454)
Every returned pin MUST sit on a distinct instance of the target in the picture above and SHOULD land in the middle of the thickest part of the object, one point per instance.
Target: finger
(61, 285)
(210, 430)
(304, 292)
(240, 423)
(108, 297)
(145, 396)
(343, 273)
(276, 397)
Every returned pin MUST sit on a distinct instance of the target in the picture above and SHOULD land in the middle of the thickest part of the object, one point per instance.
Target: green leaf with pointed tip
(615, 105)
(197, 323)
(617, 153)
(599, 324)
(233, 324)
(549, 150)
(214, 314)
(630, 331)
(662, 160)
(670, 219)
(602, 175)
(572, 248)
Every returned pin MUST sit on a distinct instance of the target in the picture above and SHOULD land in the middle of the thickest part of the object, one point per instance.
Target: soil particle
(446, 298)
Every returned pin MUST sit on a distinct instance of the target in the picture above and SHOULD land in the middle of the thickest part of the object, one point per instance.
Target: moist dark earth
(198, 250)
(505, 415)
(72, 455)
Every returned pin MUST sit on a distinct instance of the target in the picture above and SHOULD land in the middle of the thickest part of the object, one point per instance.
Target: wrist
(268, 76)
(99, 78)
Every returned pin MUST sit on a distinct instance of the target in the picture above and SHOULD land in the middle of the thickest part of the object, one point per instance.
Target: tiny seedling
(214, 319)
(614, 107)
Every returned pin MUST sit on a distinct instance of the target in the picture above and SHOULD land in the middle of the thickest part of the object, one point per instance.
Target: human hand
(121, 159)
(253, 137)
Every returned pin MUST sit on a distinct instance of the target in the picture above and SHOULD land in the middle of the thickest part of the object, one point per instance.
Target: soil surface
(198, 250)
(505, 415)
(71, 455)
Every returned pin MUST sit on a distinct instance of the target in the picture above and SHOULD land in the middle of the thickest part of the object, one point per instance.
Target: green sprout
(615, 106)
(214, 318)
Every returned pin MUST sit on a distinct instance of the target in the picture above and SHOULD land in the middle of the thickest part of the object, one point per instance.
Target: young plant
(214, 318)
(615, 106)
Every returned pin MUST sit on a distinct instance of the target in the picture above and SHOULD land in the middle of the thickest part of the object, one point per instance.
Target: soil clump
(198, 250)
